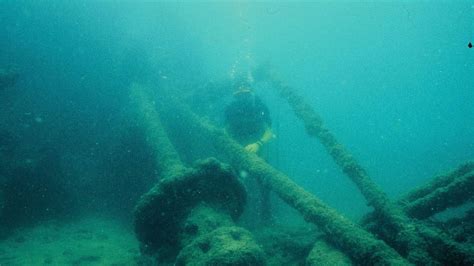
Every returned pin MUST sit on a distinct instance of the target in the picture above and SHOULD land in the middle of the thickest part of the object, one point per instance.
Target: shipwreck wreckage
(189, 216)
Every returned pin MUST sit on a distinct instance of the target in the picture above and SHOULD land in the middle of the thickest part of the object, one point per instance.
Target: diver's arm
(266, 137)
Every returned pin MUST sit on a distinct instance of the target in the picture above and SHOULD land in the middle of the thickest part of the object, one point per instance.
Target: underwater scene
(236, 133)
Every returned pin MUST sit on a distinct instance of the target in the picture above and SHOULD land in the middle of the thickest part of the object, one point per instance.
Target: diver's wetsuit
(246, 119)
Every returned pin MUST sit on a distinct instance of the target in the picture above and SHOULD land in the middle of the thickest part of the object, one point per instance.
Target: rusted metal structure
(398, 238)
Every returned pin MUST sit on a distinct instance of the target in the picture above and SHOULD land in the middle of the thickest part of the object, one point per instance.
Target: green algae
(216, 241)
(285, 245)
(323, 253)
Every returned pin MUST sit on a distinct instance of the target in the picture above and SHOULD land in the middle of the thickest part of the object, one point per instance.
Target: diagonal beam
(167, 159)
(444, 191)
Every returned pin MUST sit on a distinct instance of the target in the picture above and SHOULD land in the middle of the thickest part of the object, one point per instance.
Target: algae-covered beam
(407, 241)
(444, 191)
(447, 190)
(457, 192)
(359, 244)
(432, 199)
(438, 182)
(442, 246)
(167, 159)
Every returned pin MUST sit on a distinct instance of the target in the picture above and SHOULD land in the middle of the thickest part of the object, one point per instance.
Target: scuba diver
(248, 121)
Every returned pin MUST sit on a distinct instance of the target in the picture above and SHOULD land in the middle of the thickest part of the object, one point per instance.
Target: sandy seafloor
(87, 241)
